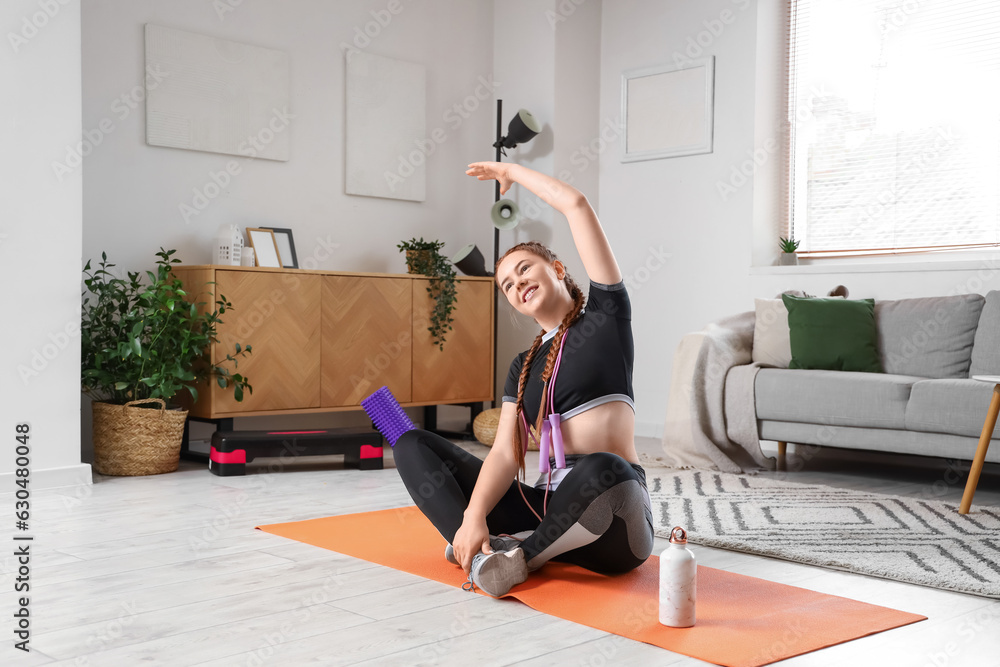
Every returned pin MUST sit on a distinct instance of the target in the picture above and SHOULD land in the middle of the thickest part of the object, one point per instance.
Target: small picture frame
(265, 247)
(668, 110)
(286, 247)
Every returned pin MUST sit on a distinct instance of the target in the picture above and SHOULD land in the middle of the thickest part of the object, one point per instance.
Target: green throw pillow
(833, 334)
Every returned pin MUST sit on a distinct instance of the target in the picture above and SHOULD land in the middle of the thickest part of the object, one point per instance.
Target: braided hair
(519, 444)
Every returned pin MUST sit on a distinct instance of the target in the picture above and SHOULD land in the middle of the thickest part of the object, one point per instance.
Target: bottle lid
(678, 536)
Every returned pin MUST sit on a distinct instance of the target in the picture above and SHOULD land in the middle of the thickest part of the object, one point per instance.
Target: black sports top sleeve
(610, 300)
(598, 355)
(513, 375)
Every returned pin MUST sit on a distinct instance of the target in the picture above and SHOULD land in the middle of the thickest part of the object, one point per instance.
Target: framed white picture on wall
(216, 95)
(668, 110)
(385, 119)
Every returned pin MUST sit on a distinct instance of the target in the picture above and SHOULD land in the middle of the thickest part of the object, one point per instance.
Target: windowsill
(832, 265)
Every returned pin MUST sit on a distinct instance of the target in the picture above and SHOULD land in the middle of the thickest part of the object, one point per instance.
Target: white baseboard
(50, 478)
(649, 429)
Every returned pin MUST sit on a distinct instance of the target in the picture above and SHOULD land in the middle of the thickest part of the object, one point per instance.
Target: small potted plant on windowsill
(144, 343)
(423, 258)
(788, 255)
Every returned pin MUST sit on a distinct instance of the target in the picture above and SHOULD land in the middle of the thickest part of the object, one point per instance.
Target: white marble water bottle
(678, 578)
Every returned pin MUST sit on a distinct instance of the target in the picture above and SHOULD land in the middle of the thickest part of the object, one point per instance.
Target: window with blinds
(894, 126)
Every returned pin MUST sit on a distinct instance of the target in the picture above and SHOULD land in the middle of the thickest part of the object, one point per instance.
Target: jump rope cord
(557, 443)
(544, 504)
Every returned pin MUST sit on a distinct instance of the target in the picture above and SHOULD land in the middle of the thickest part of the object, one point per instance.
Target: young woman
(590, 506)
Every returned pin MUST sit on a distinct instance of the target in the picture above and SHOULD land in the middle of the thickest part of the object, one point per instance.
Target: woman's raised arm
(595, 251)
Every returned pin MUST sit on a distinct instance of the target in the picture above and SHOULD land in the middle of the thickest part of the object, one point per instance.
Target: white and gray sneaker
(496, 573)
(508, 542)
(505, 543)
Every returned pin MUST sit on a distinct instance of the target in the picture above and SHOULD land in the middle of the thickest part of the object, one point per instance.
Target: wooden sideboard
(324, 340)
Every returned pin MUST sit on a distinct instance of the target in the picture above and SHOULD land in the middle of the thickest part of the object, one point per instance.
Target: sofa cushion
(930, 337)
(986, 350)
(956, 406)
(833, 334)
(771, 345)
(839, 398)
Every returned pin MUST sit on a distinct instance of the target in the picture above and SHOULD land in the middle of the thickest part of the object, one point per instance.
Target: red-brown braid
(518, 443)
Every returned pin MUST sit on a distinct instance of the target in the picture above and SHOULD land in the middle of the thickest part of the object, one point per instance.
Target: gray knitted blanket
(711, 418)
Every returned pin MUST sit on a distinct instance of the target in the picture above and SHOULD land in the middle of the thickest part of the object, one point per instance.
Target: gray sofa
(924, 403)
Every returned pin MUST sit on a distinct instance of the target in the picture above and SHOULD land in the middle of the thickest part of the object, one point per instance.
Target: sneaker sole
(501, 573)
(449, 555)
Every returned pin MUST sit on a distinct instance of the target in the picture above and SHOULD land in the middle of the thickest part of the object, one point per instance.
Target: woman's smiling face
(529, 281)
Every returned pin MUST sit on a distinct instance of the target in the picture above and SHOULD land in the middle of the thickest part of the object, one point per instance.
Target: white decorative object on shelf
(229, 246)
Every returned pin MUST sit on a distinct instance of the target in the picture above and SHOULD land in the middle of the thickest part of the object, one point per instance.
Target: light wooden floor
(168, 570)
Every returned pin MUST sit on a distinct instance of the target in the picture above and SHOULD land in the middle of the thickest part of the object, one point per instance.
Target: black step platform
(232, 450)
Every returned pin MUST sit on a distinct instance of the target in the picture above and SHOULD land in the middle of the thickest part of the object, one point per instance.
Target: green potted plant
(788, 247)
(144, 343)
(423, 258)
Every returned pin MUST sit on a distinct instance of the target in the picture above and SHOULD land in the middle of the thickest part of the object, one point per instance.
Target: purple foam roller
(387, 415)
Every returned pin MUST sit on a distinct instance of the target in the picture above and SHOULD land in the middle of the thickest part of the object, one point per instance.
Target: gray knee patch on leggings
(628, 501)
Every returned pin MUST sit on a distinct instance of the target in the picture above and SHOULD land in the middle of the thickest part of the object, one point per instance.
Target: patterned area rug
(907, 539)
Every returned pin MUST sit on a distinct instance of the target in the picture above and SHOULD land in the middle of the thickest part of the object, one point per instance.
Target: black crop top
(597, 358)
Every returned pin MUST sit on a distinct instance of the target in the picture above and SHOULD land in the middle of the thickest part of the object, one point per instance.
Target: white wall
(40, 232)
(524, 62)
(133, 191)
(577, 89)
(721, 246)
(547, 54)
(670, 206)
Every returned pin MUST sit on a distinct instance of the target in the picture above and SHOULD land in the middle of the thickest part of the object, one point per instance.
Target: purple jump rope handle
(557, 441)
(387, 415)
(543, 448)
(551, 427)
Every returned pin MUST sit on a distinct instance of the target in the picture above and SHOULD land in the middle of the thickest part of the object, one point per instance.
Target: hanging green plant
(423, 258)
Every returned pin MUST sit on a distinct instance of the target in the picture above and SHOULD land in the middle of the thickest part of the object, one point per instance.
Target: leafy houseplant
(146, 341)
(788, 247)
(422, 257)
(143, 342)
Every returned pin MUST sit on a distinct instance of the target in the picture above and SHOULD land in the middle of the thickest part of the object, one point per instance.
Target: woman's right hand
(499, 171)
(472, 537)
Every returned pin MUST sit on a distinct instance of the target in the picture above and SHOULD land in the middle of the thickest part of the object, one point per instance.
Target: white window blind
(894, 126)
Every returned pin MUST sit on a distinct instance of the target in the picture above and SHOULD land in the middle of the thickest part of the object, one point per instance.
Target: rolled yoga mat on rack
(742, 621)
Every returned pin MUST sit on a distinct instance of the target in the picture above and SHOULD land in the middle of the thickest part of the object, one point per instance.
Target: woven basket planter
(137, 441)
(484, 427)
(415, 256)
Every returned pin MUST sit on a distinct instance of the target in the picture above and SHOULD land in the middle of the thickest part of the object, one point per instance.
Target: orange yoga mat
(742, 621)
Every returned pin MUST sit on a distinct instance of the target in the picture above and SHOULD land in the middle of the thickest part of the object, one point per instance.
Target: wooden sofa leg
(980, 458)
(781, 449)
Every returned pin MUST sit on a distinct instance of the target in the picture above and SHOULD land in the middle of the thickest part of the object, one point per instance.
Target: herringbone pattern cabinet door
(366, 338)
(463, 371)
(322, 342)
(278, 315)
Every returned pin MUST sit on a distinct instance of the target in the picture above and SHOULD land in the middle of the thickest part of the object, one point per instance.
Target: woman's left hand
(486, 171)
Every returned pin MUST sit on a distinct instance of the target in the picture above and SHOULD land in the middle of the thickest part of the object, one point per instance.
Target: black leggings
(598, 517)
